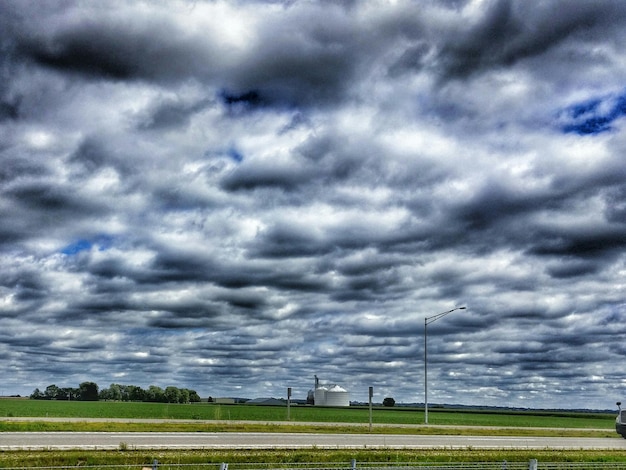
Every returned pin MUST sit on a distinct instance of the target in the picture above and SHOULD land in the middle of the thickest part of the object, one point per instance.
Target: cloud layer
(234, 196)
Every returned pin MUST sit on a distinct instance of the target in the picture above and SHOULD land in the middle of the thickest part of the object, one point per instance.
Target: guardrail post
(155, 464)
(504, 465)
(353, 464)
(224, 466)
(532, 464)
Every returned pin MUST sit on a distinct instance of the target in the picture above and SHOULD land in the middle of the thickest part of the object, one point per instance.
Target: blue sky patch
(103, 242)
(235, 155)
(76, 247)
(593, 116)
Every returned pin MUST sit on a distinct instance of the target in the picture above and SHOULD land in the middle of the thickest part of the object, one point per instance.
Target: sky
(235, 196)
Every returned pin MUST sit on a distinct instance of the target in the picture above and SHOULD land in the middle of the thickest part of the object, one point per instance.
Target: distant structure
(329, 395)
(224, 400)
(266, 401)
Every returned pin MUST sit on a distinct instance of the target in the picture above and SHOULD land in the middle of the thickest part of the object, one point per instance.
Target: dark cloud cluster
(235, 196)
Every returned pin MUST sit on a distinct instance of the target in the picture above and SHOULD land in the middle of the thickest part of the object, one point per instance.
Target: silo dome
(330, 395)
(337, 396)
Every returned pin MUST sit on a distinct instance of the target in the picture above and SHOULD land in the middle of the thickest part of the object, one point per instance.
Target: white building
(330, 395)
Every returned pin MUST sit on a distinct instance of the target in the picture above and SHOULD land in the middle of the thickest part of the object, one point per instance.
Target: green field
(301, 414)
(217, 418)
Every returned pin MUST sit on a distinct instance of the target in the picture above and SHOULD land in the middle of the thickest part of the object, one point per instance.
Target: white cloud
(242, 195)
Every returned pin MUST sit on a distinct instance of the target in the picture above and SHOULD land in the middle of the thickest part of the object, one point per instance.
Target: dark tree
(88, 391)
(155, 394)
(172, 394)
(136, 393)
(194, 397)
(51, 393)
(389, 402)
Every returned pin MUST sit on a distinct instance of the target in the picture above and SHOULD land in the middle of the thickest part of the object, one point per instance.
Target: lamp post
(428, 321)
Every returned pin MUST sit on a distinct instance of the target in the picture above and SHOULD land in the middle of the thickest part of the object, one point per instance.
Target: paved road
(231, 440)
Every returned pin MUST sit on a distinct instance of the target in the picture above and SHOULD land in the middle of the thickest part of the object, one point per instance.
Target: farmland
(303, 415)
(76, 416)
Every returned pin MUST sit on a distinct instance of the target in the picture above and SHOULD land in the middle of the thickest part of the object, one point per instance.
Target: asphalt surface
(285, 440)
(236, 440)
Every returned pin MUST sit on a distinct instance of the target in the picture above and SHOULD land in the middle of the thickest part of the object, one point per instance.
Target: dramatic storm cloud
(233, 196)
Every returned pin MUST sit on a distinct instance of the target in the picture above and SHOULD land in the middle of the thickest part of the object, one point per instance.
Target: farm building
(266, 401)
(329, 395)
(224, 400)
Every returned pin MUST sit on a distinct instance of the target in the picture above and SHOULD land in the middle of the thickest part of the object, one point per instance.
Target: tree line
(89, 391)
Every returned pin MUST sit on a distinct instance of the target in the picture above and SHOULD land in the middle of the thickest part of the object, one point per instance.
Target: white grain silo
(330, 395)
(337, 396)
(320, 395)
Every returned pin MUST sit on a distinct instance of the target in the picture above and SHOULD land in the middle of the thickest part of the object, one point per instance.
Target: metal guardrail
(532, 464)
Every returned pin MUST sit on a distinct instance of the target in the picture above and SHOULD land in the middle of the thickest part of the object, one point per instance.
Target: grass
(240, 458)
(173, 426)
(302, 414)
(223, 418)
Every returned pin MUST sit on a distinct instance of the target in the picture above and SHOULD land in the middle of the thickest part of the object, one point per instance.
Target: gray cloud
(508, 32)
(233, 197)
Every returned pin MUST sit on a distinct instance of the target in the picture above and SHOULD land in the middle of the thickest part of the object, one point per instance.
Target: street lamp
(428, 321)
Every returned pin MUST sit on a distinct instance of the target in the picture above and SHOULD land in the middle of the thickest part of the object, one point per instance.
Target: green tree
(115, 392)
(136, 393)
(155, 394)
(194, 397)
(389, 402)
(66, 393)
(172, 395)
(88, 391)
(52, 392)
(37, 395)
(184, 396)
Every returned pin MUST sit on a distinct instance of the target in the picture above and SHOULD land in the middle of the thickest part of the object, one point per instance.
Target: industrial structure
(329, 395)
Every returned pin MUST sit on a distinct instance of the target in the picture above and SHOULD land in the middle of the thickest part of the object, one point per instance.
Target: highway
(237, 440)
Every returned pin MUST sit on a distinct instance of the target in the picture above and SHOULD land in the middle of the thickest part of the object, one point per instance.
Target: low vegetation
(173, 426)
(288, 458)
(204, 417)
(400, 416)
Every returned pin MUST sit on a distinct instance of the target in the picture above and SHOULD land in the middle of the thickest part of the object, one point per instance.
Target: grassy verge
(171, 426)
(286, 457)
